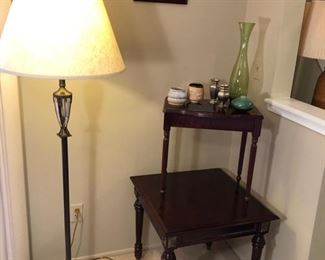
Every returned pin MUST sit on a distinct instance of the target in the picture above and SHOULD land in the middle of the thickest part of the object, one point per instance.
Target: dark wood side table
(202, 206)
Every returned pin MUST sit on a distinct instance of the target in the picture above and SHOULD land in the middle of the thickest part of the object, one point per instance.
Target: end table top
(205, 109)
(198, 200)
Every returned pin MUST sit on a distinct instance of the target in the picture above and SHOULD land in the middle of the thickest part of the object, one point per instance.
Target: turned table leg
(164, 159)
(241, 158)
(139, 223)
(168, 254)
(255, 135)
(251, 164)
(258, 242)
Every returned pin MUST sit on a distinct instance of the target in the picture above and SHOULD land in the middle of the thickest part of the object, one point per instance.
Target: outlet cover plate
(73, 207)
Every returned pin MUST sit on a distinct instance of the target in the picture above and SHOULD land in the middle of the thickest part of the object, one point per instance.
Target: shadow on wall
(270, 124)
(154, 62)
(258, 93)
(256, 83)
(144, 39)
(93, 100)
(177, 145)
(161, 53)
(165, 44)
(143, 42)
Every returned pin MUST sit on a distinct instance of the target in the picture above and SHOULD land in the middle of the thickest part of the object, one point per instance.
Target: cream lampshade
(60, 39)
(312, 44)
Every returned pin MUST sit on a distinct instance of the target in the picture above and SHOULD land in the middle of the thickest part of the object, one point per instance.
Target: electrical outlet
(76, 212)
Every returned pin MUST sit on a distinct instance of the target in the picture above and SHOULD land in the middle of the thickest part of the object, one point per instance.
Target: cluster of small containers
(219, 92)
(219, 95)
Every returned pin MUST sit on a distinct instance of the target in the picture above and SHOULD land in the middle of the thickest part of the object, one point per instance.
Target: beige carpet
(219, 251)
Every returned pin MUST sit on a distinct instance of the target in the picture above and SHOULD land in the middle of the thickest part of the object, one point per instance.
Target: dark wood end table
(202, 206)
(198, 207)
(207, 116)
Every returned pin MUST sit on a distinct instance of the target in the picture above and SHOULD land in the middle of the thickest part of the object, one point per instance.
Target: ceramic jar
(177, 96)
(196, 92)
(242, 103)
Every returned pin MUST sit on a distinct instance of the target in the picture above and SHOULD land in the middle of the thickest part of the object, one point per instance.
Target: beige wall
(13, 166)
(317, 250)
(13, 160)
(289, 171)
(116, 123)
(291, 158)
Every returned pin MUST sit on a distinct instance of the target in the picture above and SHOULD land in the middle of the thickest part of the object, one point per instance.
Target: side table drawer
(209, 235)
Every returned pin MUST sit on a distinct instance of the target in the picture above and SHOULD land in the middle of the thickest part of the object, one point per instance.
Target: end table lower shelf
(199, 206)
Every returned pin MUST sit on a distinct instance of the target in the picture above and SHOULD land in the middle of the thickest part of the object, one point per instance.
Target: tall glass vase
(239, 79)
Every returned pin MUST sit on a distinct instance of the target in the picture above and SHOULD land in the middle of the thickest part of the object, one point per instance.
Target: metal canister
(223, 95)
(214, 89)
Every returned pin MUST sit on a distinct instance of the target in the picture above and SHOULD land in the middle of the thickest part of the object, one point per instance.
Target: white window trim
(304, 114)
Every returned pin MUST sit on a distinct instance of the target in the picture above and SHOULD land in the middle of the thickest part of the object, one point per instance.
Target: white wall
(290, 158)
(117, 123)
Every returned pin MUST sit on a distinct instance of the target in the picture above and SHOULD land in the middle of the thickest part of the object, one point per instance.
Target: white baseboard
(115, 253)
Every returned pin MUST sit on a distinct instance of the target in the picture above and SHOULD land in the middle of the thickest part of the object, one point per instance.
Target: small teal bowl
(242, 103)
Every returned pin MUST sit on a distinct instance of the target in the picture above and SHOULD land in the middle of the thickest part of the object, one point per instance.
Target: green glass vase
(239, 78)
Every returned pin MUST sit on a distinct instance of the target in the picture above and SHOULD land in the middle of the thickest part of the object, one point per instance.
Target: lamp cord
(75, 228)
(74, 236)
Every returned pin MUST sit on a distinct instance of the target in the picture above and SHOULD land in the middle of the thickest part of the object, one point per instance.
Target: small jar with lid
(223, 95)
(196, 92)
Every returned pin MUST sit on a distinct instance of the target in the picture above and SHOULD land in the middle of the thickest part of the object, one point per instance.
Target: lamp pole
(62, 99)
(66, 197)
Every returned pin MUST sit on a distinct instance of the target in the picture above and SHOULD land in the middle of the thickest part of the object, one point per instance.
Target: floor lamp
(61, 39)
